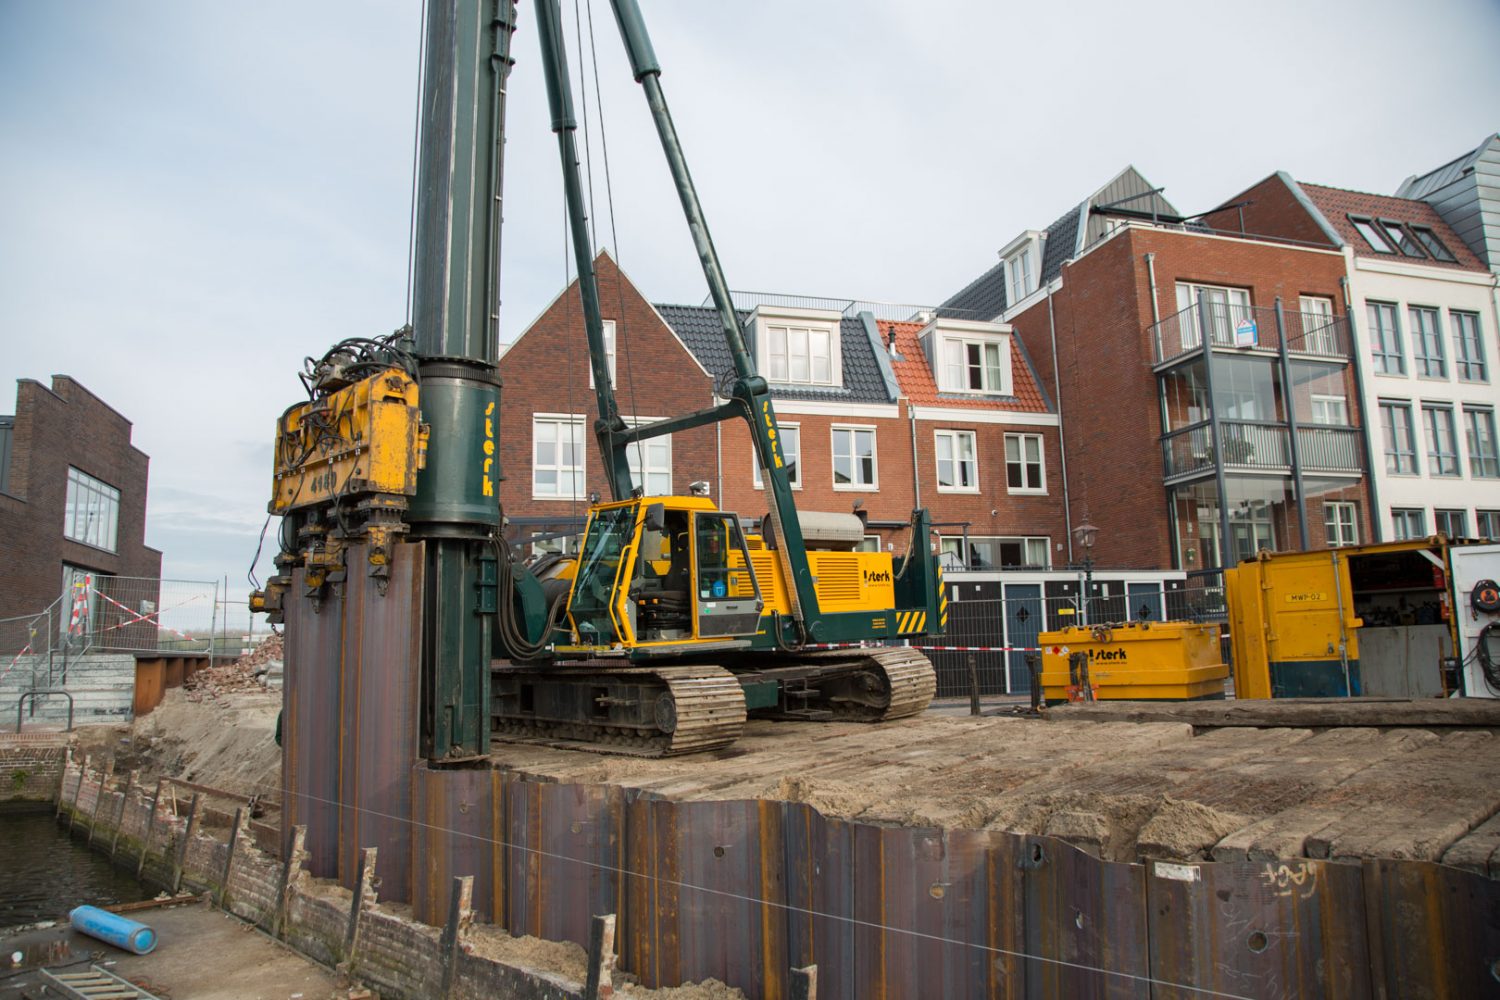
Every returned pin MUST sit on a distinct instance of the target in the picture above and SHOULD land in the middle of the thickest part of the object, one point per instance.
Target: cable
(614, 237)
(416, 132)
(1483, 656)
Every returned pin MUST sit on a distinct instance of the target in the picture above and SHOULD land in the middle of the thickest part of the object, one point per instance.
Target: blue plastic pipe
(113, 928)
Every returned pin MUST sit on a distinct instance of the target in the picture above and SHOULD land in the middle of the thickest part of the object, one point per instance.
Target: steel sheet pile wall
(745, 891)
(349, 732)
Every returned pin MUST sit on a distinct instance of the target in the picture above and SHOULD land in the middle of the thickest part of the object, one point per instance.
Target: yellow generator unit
(1138, 661)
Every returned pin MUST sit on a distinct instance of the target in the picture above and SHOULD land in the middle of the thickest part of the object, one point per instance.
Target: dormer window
(1020, 271)
(798, 346)
(800, 354)
(969, 357)
(972, 366)
(1022, 258)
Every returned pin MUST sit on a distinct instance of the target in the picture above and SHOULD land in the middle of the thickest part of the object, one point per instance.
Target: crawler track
(662, 712)
(851, 685)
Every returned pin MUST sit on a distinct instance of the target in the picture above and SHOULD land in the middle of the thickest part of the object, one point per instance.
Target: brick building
(1202, 379)
(72, 500)
(1425, 321)
(868, 425)
(548, 453)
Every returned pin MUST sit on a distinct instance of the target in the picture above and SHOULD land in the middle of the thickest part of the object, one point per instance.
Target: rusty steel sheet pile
(745, 891)
(349, 727)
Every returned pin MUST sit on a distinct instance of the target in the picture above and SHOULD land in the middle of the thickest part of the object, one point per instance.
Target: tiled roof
(920, 385)
(1062, 243)
(1337, 205)
(984, 298)
(981, 299)
(698, 327)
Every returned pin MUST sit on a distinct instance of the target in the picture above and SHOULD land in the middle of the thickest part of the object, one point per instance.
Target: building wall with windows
(986, 443)
(549, 455)
(1425, 316)
(1108, 312)
(74, 496)
(1436, 393)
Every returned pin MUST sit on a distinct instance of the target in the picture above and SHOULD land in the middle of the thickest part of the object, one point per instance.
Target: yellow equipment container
(1139, 661)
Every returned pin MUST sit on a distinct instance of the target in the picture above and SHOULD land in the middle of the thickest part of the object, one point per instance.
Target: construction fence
(994, 636)
(99, 613)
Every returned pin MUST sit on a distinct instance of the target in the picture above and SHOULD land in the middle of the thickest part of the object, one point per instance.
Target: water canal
(44, 873)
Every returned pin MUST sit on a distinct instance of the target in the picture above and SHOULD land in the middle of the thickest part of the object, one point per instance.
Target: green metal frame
(750, 395)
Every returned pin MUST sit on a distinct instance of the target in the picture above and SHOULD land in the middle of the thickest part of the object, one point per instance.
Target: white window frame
(951, 381)
(609, 355)
(962, 468)
(791, 456)
(1328, 404)
(560, 420)
(1235, 303)
(638, 449)
(1020, 273)
(1023, 462)
(953, 554)
(1318, 333)
(1487, 524)
(853, 430)
(1341, 523)
(91, 514)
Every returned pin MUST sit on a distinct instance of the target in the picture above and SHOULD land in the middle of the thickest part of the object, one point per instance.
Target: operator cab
(669, 571)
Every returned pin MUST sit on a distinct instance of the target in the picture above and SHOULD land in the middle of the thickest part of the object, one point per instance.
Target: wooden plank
(1476, 850)
(1305, 712)
(1412, 806)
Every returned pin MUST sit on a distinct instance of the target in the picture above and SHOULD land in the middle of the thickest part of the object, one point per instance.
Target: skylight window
(1401, 238)
(1377, 241)
(1429, 239)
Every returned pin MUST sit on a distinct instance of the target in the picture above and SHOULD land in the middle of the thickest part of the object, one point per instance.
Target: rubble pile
(248, 673)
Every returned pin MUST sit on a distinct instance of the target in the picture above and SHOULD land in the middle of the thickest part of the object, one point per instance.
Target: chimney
(895, 354)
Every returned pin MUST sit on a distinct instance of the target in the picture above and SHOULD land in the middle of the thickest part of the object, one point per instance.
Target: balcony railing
(1233, 326)
(1265, 447)
(1329, 449)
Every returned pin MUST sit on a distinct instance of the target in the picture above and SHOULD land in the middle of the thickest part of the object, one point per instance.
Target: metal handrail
(21, 706)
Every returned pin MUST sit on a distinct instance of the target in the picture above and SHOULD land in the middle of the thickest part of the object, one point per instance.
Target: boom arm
(750, 395)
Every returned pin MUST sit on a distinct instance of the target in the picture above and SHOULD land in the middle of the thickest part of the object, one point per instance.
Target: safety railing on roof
(900, 312)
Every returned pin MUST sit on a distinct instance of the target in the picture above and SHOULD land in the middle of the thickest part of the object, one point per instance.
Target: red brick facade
(66, 426)
(545, 372)
(1110, 402)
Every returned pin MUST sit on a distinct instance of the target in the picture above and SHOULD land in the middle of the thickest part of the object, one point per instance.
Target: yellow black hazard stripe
(942, 601)
(911, 621)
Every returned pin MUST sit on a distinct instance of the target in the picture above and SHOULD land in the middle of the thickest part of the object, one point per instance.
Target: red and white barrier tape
(942, 649)
(141, 616)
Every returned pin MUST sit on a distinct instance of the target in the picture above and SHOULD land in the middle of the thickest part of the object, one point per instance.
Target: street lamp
(1085, 534)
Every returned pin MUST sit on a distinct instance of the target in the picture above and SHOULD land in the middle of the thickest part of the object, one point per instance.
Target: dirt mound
(226, 743)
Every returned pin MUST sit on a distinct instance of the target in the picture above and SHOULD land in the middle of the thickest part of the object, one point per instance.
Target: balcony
(1238, 327)
(1253, 447)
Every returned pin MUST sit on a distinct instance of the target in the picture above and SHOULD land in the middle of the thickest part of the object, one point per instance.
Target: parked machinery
(1395, 619)
(672, 622)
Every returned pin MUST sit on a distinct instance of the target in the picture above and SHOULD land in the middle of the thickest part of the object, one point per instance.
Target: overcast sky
(195, 195)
